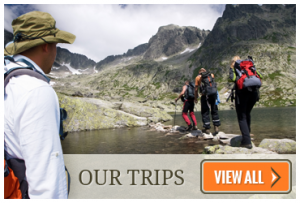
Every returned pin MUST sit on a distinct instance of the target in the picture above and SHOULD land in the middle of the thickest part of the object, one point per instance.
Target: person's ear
(45, 47)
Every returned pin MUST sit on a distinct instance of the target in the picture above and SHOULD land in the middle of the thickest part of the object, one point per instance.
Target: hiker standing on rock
(208, 89)
(187, 96)
(31, 110)
(247, 83)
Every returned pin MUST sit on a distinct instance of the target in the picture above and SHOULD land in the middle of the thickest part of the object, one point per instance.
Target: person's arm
(259, 74)
(181, 94)
(232, 75)
(197, 86)
(37, 125)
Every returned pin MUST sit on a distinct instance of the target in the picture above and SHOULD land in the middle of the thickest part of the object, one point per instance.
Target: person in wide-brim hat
(33, 29)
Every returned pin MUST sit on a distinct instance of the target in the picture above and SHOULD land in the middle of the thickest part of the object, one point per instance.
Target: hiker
(208, 89)
(187, 96)
(31, 108)
(245, 97)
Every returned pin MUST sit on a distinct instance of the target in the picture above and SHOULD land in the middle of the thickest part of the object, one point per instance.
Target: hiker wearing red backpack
(247, 83)
(34, 163)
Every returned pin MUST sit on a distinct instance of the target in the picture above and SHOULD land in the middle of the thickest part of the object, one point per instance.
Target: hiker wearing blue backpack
(187, 96)
(205, 83)
(247, 83)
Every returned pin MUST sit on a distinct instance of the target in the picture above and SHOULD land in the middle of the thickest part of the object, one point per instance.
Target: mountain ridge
(154, 72)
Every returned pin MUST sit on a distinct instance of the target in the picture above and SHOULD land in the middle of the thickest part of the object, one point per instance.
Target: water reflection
(266, 123)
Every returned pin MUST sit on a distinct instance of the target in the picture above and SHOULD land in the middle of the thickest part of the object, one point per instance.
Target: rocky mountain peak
(171, 39)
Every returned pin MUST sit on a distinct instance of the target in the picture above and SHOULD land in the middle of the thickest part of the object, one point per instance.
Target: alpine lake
(276, 123)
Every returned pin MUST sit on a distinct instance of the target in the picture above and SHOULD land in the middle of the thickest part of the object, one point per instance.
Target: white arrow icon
(274, 177)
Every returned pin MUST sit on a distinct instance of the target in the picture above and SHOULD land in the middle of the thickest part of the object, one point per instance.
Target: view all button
(246, 176)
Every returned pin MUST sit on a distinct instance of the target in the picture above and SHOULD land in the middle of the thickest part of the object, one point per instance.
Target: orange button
(246, 176)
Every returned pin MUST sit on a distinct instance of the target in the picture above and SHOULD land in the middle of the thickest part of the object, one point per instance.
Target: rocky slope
(76, 63)
(143, 74)
(168, 41)
(154, 73)
(268, 33)
(172, 39)
(94, 114)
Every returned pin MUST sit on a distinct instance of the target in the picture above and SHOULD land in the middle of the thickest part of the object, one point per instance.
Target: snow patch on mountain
(95, 71)
(187, 50)
(73, 70)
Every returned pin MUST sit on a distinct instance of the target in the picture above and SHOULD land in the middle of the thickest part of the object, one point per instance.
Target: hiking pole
(175, 112)
(231, 94)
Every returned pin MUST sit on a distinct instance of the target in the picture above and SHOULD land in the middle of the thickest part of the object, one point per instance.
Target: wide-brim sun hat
(33, 29)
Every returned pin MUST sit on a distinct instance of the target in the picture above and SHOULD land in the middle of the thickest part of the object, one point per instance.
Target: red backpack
(11, 184)
(247, 75)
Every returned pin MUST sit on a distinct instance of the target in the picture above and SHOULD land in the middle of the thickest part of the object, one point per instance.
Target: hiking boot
(195, 127)
(248, 146)
(189, 128)
(206, 130)
(216, 130)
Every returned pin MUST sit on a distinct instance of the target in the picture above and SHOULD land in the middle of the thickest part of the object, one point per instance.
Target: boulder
(145, 111)
(208, 136)
(219, 149)
(193, 133)
(280, 146)
(154, 119)
(86, 115)
(77, 94)
(236, 141)
(88, 94)
(178, 128)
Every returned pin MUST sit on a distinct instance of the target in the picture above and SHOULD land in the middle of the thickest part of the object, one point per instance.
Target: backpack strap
(28, 67)
(22, 71)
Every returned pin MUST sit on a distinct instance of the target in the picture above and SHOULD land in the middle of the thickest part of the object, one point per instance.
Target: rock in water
(236, 141)
(280, 146)
(219, 149)
(208, 136)
(222, 135)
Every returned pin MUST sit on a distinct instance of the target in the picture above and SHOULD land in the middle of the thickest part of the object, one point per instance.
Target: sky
(111, 29)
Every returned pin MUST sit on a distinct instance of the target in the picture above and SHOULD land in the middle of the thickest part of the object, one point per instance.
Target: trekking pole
(175, 112)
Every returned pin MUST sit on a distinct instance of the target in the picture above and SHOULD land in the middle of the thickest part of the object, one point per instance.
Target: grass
(157, 85)
(116, 83)
(275, 74)
(289, 59)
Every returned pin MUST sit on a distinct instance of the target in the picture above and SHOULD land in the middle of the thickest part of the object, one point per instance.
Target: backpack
(247, 75)
(190, 91)
(209, 87)
(15, 183)
(11, 184)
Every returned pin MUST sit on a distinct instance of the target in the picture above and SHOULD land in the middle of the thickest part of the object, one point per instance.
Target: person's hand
(176, 100)
(196, 100)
